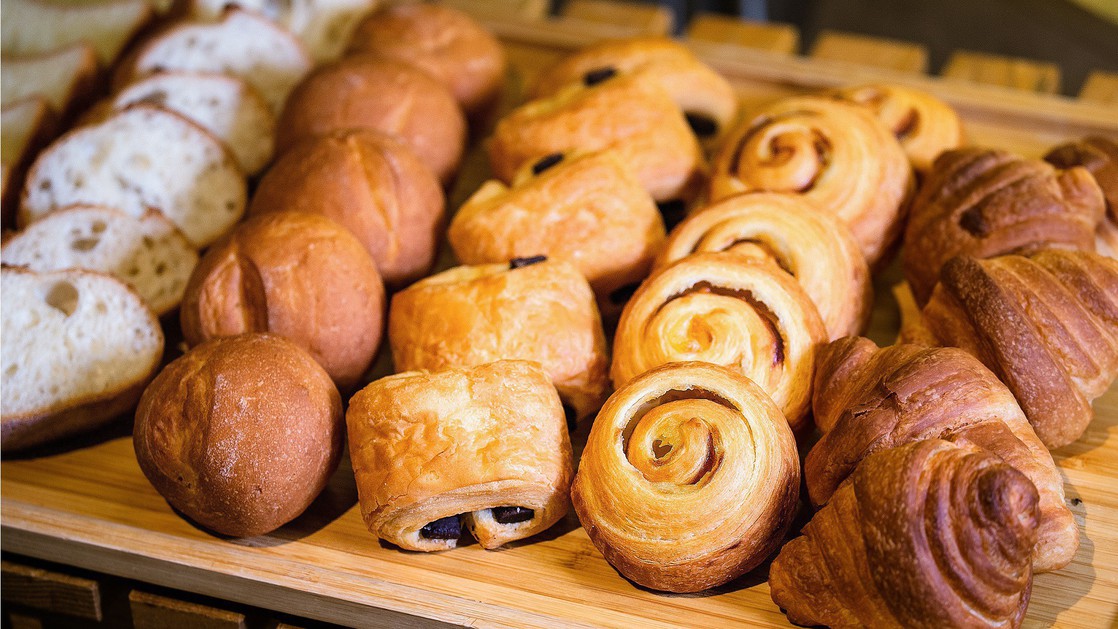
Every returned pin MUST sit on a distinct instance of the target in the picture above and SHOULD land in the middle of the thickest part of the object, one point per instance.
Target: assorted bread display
(583, 358)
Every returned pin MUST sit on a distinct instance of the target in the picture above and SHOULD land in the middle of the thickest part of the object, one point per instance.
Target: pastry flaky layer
(1099, 156)
(527, 309)
(485, 447)
(930, 534)
(868, 399)
(690, 478)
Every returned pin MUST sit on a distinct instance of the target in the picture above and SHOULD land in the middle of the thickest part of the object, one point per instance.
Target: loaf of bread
(324, 26)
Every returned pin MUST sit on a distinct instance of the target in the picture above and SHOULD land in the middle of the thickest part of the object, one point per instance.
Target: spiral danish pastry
(720, 308)
(817, 249)
(689, 478)
(834, 153)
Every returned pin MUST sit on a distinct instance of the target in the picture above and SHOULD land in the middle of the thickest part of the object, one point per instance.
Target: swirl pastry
(836, 154)
(635, 117)
(923, 124)
(929, 534)
(869, 399)
(1046, 324)
(527, 309)
(483, 447)
(984, 203)
(689, 479)
(1100, 157)
(817, 249)
(586, 209)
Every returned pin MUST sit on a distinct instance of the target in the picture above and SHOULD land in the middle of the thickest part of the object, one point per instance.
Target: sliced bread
(141, 158)
(64, 77)
(37, 26)
(324, 26)
(25, 126)
(224, 105)
(78, 348)
(148, 253)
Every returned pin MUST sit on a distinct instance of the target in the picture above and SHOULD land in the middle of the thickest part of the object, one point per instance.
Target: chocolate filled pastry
(1099, 156)
(367, 92)
(528, 309)
(689, 479)
(835, 154)
(929, 534)
(743, 313)
(483, 448)
(923, 124)
(586, 209)
(868, 399)
(1046, 324)
(984, 203)
(813, 246)
(444, 42)
(606, 110)
(369, 183)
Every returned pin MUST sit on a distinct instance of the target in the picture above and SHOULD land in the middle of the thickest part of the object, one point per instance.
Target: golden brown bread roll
(729, 310)
(367, 92)
(1099, 156)
(444, 42)
(372, 185)
(527, 309)
(586, 209)
(298, 275)
(636, 118)
(867, 400)
(834, 153)
(929, 534)
(240, 434)
(689, 479)
(483, 447)
(816, 248)
(984, 203)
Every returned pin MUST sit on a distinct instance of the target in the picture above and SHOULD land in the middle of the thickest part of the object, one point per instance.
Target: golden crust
(1099, 156)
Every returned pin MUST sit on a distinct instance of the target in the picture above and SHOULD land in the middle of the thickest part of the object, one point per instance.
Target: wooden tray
(88, 505)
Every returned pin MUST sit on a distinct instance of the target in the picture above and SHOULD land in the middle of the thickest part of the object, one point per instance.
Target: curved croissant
(727, 310)
(984, 203)
(1046, 324)
(689, 478)
(868, 399)
(817, 249)
(1099, 156)
(834, 153)
(929, 534)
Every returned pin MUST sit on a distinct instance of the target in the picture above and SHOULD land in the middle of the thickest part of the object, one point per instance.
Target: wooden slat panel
(50, 591)
(151, 611)
(1101, 87)
(1021, 74)
(721, 29)
(518, 9)
(871, 51)
(649, 19)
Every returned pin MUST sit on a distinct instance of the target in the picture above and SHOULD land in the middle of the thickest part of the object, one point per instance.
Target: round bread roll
(366, 92)
(301, 276)
(372, 185)
(240, 434)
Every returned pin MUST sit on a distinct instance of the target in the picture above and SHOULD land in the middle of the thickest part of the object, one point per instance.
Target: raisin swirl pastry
(817, 249)
(483, 447)
(1099, 156)
(868, 399)
(689, 478)
(929, 534)
(834, 153)
(720, 308)
(529, 309)
(984, 203)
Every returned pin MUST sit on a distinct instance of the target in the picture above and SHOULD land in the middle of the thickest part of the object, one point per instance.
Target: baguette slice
(324, 26)
(37, 26)
(25, 126)
(141, 158)
(224, 105)
(78, 349)
(64, 77)
(148, 253)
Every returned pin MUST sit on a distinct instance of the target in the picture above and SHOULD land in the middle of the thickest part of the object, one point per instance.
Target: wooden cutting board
(87, 504)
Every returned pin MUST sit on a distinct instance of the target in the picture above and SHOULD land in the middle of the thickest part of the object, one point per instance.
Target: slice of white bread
(224, 105)
(25, 126)
(141, 158)
(242, 44)
(64, 77)
(148, 253)
(78, 349)
(37, 26)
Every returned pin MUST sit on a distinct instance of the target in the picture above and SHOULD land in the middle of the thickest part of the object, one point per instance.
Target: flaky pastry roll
(1099, 156)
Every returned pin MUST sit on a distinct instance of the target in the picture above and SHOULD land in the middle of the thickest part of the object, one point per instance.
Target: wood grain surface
(87, 503)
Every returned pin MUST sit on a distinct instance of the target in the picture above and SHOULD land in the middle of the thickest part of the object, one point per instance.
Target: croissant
(1046, 324)
(868, 399)
(1100, 157)
(728, 310)
(689, 478)
(836, 154)
(984, 203)
(817, 249)
(929, 534)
